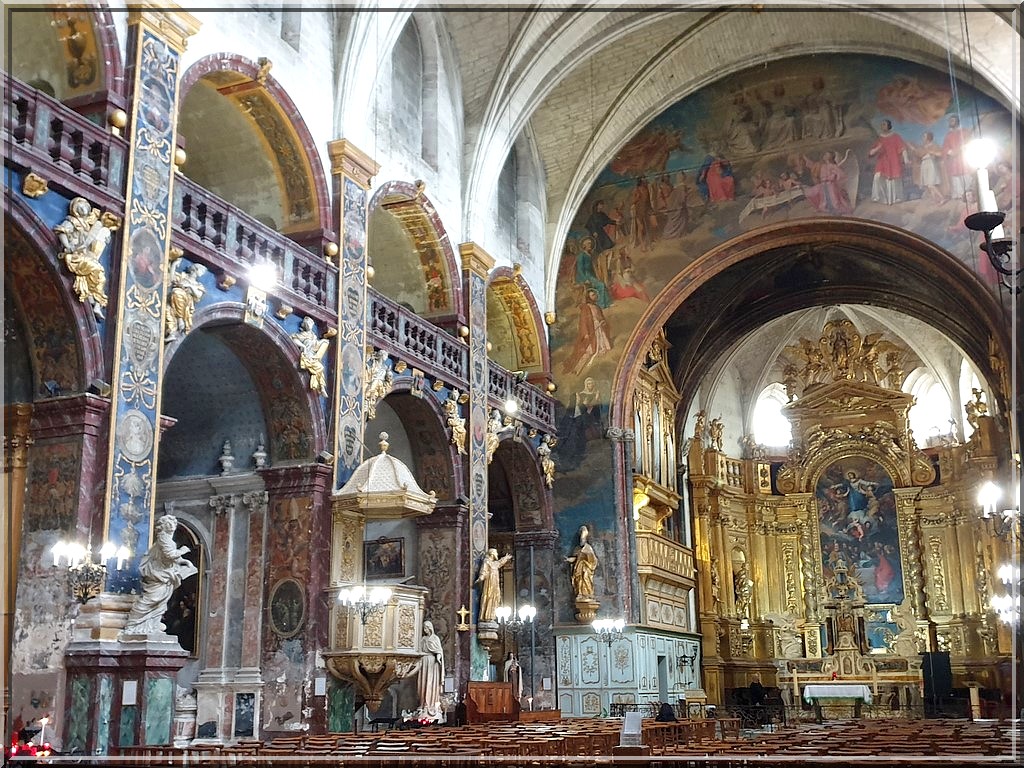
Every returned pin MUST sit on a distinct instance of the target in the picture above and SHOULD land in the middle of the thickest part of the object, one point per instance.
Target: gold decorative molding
(349, 160)
(34, 186)
(475, 259)
(174, 26)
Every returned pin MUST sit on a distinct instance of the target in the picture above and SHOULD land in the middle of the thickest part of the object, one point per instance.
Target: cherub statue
(457, 424)
(184, 292)
(378, 381)
(83, 236)
(975, 408)
(495, 429)
(699, 426)
(715, 432)
(311, 355)
(547, 464)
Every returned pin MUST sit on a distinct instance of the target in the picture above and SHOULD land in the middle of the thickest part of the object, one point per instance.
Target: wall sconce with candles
(979, 154)
(1007, 605)
(608, 630)
(363, 602)
(86, 577)
(1006, 523)
(513, 621)
(684, 661)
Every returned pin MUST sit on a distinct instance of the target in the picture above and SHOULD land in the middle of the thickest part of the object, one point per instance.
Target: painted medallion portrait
(857, 519)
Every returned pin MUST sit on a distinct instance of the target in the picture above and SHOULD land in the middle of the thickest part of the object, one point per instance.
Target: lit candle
(122, 557)
(58, 551)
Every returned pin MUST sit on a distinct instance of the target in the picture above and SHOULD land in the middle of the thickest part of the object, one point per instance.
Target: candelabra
(684, 661)
(609, 630)
(1007, 605)
(86, 576)
(512, 621)
(364, 602)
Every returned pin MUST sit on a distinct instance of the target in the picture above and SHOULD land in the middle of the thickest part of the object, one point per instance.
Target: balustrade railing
(217, 233)
(42, 134)
(39, 133)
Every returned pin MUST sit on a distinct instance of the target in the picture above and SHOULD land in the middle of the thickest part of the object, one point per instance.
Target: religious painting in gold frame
(858, 526)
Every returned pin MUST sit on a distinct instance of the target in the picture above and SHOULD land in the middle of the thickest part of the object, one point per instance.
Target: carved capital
(475, 259)
(351, 161)
(174, 26)
(257, 502)
(223, 503)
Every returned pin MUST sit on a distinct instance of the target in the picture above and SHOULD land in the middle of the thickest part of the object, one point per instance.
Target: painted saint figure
(890, 153)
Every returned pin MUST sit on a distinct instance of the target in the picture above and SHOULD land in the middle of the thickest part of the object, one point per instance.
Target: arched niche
(246, 142)
(514, 326)
(226, 380)
(58, 333)
(516, 495)
(411, 253)
(67, 53)
(418, 437)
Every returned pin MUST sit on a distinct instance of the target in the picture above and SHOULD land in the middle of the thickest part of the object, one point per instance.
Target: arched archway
(227, 381)
(514, 325)
(233, 109)
(761, 275)
(411, 253)
(62, 336)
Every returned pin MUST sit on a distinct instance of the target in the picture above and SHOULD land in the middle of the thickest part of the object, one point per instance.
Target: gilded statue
(699, 426)
(184, 291)
(311, 355)
(457, 424)
(489, 580)
(547, 464)
(716, 430)
(975, 408)
(495, 429)
(584, 564)
(83, 236)
(743, 587)
(163, 568)
(378, 381)
(841, 353)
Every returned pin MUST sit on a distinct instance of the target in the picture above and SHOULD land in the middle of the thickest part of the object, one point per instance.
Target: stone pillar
(156, 39)
(16, 443)
(476, 264)
(442, 538)
(537, 557)
(297, 560)
(352, 171)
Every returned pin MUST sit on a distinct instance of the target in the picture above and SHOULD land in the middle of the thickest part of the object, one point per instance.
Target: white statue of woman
(430, 684)
(163, 569)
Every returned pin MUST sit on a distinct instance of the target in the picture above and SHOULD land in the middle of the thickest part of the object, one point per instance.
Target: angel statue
(378, 381)
(83, 236)
(869, 362)
(311, 355)
(456, 422)
(547, 464)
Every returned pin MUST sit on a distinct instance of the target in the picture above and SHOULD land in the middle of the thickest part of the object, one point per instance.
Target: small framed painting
(287, 607)
(384, 558)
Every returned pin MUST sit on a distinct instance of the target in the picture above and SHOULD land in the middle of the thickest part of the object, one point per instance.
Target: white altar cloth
(813, 691)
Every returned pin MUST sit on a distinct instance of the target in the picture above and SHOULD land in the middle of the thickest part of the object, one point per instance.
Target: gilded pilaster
(156, 40)
(352, 171)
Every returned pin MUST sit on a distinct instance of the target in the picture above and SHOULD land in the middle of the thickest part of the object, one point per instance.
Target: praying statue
(163, 569)
(430, 683)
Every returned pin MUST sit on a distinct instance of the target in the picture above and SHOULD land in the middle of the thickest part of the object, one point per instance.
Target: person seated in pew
(666, 713)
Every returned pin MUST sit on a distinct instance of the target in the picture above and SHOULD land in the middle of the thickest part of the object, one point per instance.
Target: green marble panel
(126, 733)
(159, 710)
(103, 707)
(340, 703)
(479, 661)
(78, 716)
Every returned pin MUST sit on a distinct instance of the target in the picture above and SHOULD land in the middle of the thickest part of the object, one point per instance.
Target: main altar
(846, 559)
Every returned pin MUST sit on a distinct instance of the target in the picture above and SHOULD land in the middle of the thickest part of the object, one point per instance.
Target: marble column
(537, 558)
(298, 550)
(443, 555)
(16, 442)
(156, 40)
(476, 264)
(352, 170)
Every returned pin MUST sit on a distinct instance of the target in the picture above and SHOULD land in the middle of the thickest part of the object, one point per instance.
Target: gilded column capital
(476, 259)
(174, 26)
(348, 159)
